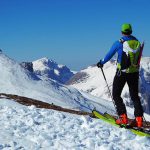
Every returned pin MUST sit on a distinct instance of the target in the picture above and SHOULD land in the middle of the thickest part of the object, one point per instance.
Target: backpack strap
(121, 40)
(118, 64)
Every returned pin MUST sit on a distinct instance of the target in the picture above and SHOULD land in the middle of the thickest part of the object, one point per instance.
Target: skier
(128, 49)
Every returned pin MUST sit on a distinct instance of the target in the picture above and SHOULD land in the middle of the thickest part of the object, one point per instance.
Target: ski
(111, 120)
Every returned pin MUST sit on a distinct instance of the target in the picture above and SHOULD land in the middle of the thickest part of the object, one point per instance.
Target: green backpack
(131, 55)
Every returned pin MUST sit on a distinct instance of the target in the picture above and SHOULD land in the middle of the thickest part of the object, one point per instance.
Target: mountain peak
(49, 69)
(45, 60)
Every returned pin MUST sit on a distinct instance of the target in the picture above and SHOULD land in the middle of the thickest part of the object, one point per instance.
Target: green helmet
(126, 29)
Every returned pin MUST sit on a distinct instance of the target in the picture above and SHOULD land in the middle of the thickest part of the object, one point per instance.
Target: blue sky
(76, 33)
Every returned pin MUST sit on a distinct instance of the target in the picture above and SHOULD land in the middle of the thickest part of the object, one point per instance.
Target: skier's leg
(132, 81)
(118, 84)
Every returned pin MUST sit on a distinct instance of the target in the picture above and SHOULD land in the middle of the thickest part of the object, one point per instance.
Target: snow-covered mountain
(17, 80)
(48, 69)
(28, 127)
(91, 80)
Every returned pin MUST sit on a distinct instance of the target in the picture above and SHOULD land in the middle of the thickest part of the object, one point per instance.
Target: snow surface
(29, 128)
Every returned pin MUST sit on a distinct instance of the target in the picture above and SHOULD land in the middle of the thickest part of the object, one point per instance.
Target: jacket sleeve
(111, 52)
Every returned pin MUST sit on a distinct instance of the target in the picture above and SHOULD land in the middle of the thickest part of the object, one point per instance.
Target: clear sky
(76, 33)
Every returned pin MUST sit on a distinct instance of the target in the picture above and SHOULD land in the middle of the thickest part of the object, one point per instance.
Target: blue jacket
(117, 47)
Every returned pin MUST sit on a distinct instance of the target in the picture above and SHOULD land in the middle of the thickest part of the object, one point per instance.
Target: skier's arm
(111, 53)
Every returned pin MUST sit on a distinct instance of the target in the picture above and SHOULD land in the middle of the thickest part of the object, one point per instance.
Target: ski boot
(138, 122)
(122, 120)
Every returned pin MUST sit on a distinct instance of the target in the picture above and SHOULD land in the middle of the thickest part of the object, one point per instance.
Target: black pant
(118, 84)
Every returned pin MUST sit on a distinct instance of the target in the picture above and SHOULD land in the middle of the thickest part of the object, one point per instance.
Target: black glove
(99, 64)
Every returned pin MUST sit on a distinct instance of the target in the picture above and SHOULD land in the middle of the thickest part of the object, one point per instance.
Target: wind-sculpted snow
(94, 82)
(29, 128)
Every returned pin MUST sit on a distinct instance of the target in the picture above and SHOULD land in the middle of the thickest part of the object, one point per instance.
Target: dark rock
(27, 65)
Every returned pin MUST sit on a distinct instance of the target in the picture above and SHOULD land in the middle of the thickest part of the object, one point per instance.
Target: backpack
(131, 55)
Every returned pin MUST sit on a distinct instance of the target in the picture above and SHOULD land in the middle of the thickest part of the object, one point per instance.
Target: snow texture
(29, 128)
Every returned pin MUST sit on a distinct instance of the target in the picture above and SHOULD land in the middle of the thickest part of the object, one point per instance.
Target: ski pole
(106, 83)
(109, 90)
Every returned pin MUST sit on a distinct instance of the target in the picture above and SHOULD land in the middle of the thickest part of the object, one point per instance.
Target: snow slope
(48, 69)
(29, 128)
(17, 80)
(92, 81)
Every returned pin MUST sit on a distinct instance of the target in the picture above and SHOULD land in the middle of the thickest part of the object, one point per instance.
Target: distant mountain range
(22, 80)
(45, 69)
